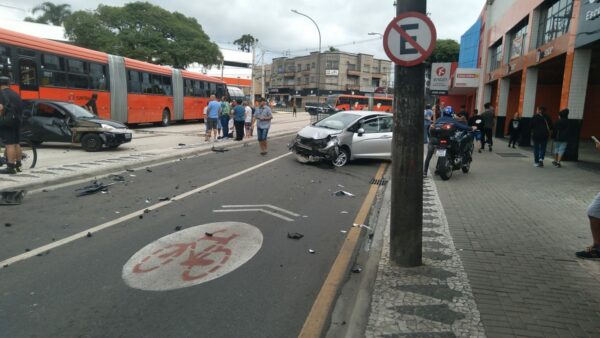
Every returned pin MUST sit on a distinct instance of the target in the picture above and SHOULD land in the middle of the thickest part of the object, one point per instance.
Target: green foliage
(51, 13)
(245, 43)
(446, 50)
(333, 49)
(142, 31)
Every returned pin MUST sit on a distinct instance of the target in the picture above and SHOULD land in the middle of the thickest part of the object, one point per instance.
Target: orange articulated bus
(129, 91)
(359, 102)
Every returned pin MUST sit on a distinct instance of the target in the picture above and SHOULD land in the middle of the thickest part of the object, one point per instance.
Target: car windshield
(76, 110)
(337, 121)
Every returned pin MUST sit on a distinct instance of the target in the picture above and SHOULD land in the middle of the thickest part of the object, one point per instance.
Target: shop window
(555, 19)
(518, 37)
(496, 56)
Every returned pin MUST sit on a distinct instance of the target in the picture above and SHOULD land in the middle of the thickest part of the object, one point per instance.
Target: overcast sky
(344, 24)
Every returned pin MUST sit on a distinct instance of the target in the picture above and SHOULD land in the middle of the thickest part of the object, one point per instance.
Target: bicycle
(28, 152)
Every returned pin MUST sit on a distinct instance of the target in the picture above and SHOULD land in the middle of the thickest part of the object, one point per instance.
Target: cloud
(343, 23)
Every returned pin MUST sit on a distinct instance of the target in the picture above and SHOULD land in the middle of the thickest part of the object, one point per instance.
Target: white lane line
(260, 210)
(132, 215)
(262, 206)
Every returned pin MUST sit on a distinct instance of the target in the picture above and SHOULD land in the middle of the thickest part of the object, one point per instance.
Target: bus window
(53, 62)
(76, 66)
(28, 74)
(98, 77)
(363, 101)
(332, 100)
(188, 89)
(54, 79)
(77, 81)
(344, 100)
(220, 90)
(166, 85)
(157, 87)
(213, 88)
(133, 83)
(146, 84)
(5, 62)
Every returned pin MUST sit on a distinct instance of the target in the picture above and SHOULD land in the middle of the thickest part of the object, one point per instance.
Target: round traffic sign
(409, 39)
(192, 256)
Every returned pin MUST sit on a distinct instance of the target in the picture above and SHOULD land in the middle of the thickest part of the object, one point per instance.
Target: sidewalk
(498, 255)
(58, 163)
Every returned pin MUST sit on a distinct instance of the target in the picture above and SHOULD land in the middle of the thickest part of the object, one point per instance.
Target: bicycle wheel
(29, 155)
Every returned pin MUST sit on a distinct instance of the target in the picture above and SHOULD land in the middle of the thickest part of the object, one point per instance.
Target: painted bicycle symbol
(197, 264)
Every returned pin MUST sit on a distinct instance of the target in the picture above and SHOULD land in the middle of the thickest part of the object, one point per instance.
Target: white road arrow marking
(259, 208)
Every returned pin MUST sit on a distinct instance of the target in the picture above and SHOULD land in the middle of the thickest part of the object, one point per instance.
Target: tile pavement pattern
(433, 300)
(516, 229)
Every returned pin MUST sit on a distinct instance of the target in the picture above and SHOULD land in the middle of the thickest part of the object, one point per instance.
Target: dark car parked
(58, 121)
(319, 108)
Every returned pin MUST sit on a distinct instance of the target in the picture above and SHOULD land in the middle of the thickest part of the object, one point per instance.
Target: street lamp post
(318, 55)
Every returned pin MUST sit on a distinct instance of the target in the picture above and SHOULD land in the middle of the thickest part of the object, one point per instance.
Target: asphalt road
(78, 289)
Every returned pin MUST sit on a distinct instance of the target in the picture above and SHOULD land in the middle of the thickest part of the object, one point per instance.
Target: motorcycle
(454, 149)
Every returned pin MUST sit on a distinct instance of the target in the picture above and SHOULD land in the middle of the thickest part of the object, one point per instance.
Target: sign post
(408, 41)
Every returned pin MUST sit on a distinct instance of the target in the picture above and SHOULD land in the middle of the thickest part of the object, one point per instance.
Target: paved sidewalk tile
(434, 300)
(516, 228)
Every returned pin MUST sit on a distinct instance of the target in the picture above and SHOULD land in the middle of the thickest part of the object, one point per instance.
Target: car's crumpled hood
(317, 133)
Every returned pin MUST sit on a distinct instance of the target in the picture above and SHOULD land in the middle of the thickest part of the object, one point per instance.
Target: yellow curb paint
(315, 322)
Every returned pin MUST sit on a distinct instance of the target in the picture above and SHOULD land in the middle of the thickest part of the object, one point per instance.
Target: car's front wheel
(342, 158)
(91, 142)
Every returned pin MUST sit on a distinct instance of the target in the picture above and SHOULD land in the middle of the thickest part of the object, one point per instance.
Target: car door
(49, 123)
(376, 141)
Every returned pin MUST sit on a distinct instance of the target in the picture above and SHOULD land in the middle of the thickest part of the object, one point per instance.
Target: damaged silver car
(345, 136)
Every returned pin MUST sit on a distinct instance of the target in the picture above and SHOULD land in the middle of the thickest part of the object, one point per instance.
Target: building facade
(542, 53)
(340, 73)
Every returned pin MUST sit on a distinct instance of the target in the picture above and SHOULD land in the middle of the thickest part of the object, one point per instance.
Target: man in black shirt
(10, 134)
(91, 105)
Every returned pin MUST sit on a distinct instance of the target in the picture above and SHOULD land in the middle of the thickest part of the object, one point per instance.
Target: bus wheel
(166, 118)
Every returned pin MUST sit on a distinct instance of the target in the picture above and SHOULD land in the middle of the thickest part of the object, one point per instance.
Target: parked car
(58, 121)
(314, 108)
(345, 136)
(281, 104)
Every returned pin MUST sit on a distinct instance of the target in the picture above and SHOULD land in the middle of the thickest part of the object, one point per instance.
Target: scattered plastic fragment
(118, 178)
(311, 251)
(146, 211)
(219, 150)
(343, 193)
(209, 234)
(94, 188)
(89, 234)
(7, 224)
(371, 235)
(12, 197)
(340, 186)
(295, 235)
(356, 269)
(148, 170)
(362, 226)
(344, 212)
(162, 199)
(141, 216)
(117, 212)
(132, 175)
(130, 170)
(181, 144)
(147, 200)
(343, 231)
(177, 228)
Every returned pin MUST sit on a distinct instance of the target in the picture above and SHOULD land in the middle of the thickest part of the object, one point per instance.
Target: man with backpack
(11, 112)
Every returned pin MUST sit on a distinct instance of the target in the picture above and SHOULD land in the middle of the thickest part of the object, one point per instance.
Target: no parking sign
(409, 39)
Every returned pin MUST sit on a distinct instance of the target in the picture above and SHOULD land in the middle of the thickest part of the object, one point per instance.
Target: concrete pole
(263, 74)
(406, 224)
(252, 88)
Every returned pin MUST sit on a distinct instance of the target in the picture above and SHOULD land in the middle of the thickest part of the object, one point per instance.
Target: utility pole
(252, 89)
(263, 74)
(406, 228)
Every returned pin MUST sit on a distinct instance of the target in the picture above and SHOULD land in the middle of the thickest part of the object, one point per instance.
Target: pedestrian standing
(428, 120)
(11, 111)
(239, 119)
(487, 118)
(462, 114)
(294, 107)
(514, 129)
(593, 211)
(91, 104)
(561, 136)
(540, 131)
(263, 118)
(224, 116)
(477, 122)
(212, 116)
(247, 119)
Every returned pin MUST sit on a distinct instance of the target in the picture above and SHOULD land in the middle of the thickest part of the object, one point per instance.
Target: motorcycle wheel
(445, 168)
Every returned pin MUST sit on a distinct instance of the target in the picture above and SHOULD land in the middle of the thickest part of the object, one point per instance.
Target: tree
(333, 49)
(245, 43)
(51, 13)
(142, 31)
(446, 50)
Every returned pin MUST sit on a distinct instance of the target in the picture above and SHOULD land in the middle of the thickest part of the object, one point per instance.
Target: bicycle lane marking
(132, 215)
(192, 256)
